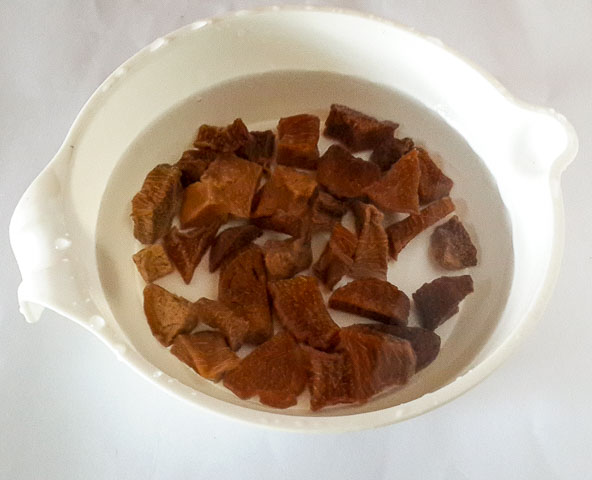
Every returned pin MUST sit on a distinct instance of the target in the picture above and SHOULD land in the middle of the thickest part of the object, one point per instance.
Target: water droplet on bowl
(198, 25)
(62, 243)
(120, 349)
(120, 72)
(157, 374)
(158, 43)
(194, 394)
(171, 380)
(96, 322)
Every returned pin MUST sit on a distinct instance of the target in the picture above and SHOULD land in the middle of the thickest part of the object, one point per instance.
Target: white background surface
(69, 409)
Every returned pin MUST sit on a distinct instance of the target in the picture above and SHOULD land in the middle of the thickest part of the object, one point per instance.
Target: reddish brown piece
(326, 211)
(284, 203)
(357, 130)
(193, 163)
(372, 298)
(344, 175)
(330, 378)
(276, 371)
(371, 257)
(152, 263)
(425, 343)
(217, 315)
(451, 246)
(230, 242)
(401, 233)
(337, 257)
(186, 249)
(168, 315)
(157, 203)
(396, 191)
(243, 287)
(207, 353)
(301, 310)
(438, 300)
(298, 137)
(390, 151)
(286, 258)
(378, 360)
(433, 184)
(223, 139)
(259, 148)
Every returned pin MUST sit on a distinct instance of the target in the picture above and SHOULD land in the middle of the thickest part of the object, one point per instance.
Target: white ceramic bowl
(72, 236)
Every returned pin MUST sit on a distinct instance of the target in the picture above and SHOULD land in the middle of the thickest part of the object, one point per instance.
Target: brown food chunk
(326, 211)
(223, 139)
(330, 378)
(217, 315)
(372, 298)
(230, 242)
(243, 287)
(286, 258)
(337, 257)
(371, 256)
(301, 310)
(396, 191)
(168, 315)
(152, 263)
(298, 137)
(378, 360)
(451, 246)
(193, 163)
(157, 203)
(186, 249)
(344, 175)
(259, 148)
(390, 151)
(276, 371)
(357, 130)
(227, 187)
(438, 300)
(207, 353)
(433, 184)
(401, 233)
(425, 343)
(285, 199)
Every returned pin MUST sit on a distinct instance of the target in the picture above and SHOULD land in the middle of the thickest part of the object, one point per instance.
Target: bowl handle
(42, 245)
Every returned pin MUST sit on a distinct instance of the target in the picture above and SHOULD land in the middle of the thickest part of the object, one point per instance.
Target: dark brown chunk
(372, 298)
(243, 287)
(276, 371)
(425, 343)
(286, 258)
(285, 199)
(152, 263)
(344, 175)
(168, 315)
(207, 353)
(330, 378)
(357, 130)
(401, 233)
(157, 203)
(451, 246)
(326, 211)
(186, 249)
(217, 315)
(337, 257)
(433, 184)
(371, 257)
(230, 242)
(390, 151)
(396, 191)
(301, 310)
(259, 148)
(223, 139)
(227, 187)
(298, 137)
(378, 360)
(193, 163)
(438, 300)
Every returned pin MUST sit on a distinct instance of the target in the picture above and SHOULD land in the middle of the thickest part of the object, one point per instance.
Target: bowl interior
(260, 100)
